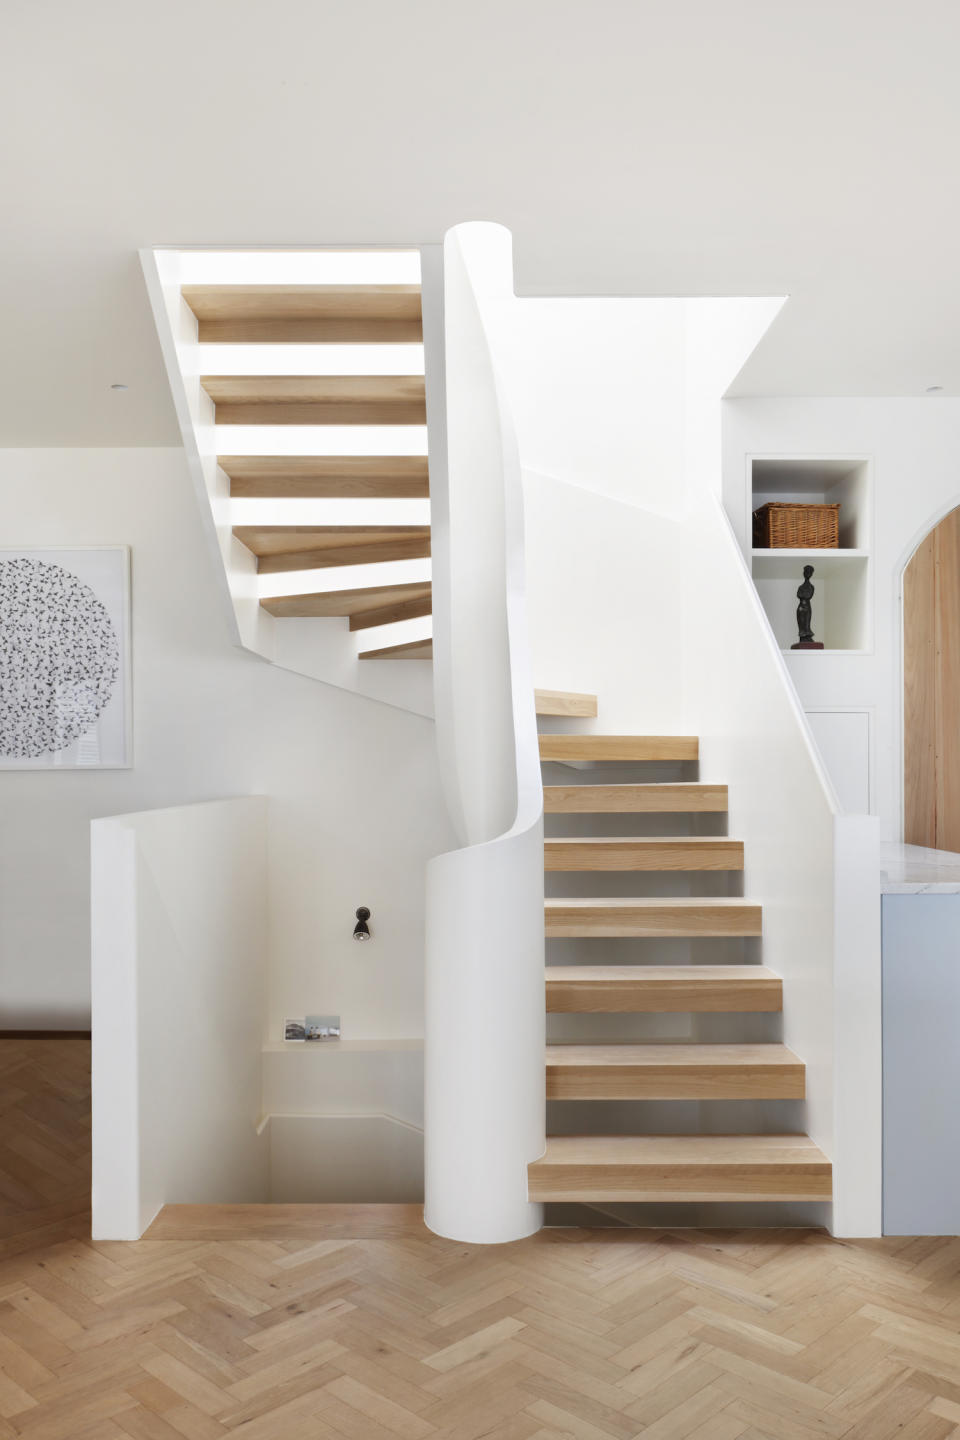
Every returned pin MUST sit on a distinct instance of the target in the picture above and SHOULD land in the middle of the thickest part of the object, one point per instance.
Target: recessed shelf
(771, 564)
(340, 1047)
(824, 481)
(841, 575)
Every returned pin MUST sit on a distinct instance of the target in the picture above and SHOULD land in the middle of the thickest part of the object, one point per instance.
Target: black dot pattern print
(59, 658)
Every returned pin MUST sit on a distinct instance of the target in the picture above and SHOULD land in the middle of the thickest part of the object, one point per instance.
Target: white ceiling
(641, 147)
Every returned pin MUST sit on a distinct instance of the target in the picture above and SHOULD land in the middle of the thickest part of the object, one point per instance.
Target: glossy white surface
(916, 870)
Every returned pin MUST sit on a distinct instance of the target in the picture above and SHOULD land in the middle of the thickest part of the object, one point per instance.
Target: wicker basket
(783, 525)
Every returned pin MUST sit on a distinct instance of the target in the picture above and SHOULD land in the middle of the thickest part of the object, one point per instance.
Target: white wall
(179, 921)
(914, 449)
(603, 599)
(596, 390)
(356, 805)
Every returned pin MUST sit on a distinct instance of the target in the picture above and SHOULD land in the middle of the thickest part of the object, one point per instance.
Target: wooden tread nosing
(327, 477)
(602, 853)
(412, 650)
(306, 314)
(680, 1168)
(325, 603)
(652, 916)
(317, 399)
(565, 702)
(640, 748)
(673, 1072)
(662, 989)
(653, 799)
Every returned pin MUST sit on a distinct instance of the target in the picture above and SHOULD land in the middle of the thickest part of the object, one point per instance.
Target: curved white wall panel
(485, 1014)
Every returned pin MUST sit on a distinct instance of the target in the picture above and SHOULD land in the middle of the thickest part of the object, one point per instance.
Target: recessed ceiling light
(119, 387)
(934, 389)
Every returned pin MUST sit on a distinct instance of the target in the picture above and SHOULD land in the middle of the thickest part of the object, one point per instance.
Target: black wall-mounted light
(361, 931)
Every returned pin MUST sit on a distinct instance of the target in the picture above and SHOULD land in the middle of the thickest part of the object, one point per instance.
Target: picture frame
(319, 1028)
(294, 1031)
(65, 665)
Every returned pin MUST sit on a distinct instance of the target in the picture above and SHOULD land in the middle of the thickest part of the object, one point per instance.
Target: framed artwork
(65, 658)
(322, 1027)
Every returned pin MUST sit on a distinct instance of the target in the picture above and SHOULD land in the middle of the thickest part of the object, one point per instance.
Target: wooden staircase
(597, 1168)
(342, 563)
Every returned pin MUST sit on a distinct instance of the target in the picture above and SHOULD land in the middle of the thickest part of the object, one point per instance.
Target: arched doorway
(931, 689)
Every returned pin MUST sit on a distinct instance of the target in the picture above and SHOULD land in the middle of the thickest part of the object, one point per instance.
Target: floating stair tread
(332, 603)
(659, 989)
(565, 702)
(619, 747)
(687, 915)
(306, 313)
(660, 799)
(389, 614)
(327, 477)
(412, 650)
(310, 547)
(680, 1167)
(673, 1072)
(673, 1054)
(642, 852)
(317, 399)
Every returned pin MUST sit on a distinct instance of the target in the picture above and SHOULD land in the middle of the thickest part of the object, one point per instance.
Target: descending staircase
(597, 1168)
(359, 561)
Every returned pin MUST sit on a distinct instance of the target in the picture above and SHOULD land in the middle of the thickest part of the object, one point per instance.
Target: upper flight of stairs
(342, 561)
(598, 1168)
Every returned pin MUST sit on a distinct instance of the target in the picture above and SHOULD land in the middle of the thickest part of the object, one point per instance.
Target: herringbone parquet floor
(572, 1335)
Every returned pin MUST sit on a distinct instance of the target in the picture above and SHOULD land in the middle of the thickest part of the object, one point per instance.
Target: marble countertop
(915, 870)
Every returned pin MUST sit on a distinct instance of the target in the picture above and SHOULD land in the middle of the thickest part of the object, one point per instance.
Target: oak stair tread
(414, 609)
(280, 548)
(650, 799)
(680, 1054)
(317, 399)
(359, 601)
(659, 989)
(652, 916)
(306, 314)
(642, 852)
(677, 1071)
(680, 1168)
(412, 650)
(619, 747)
(566, 702)
(327, 477)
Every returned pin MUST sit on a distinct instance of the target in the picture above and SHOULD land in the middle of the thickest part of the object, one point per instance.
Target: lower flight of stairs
(624, 1168)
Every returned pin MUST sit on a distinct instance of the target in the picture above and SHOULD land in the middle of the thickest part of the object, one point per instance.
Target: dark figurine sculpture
(804, 609)
(805, 614)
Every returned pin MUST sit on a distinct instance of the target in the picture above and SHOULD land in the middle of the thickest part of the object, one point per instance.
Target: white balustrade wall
(485, 1022)
(179, 932)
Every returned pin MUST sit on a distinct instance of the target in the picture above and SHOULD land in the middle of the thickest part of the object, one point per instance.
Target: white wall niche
(841, 618)
(817, 480)
(842, 610)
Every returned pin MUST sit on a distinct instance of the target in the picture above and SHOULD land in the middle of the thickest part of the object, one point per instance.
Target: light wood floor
(374, 1329)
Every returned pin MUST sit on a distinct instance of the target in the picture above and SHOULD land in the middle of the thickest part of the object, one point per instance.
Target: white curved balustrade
(485, 1014)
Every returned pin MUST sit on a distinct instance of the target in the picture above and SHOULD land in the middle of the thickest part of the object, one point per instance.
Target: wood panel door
(931, 675)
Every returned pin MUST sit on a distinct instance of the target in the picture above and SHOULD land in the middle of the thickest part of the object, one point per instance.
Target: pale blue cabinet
(921, 1064)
